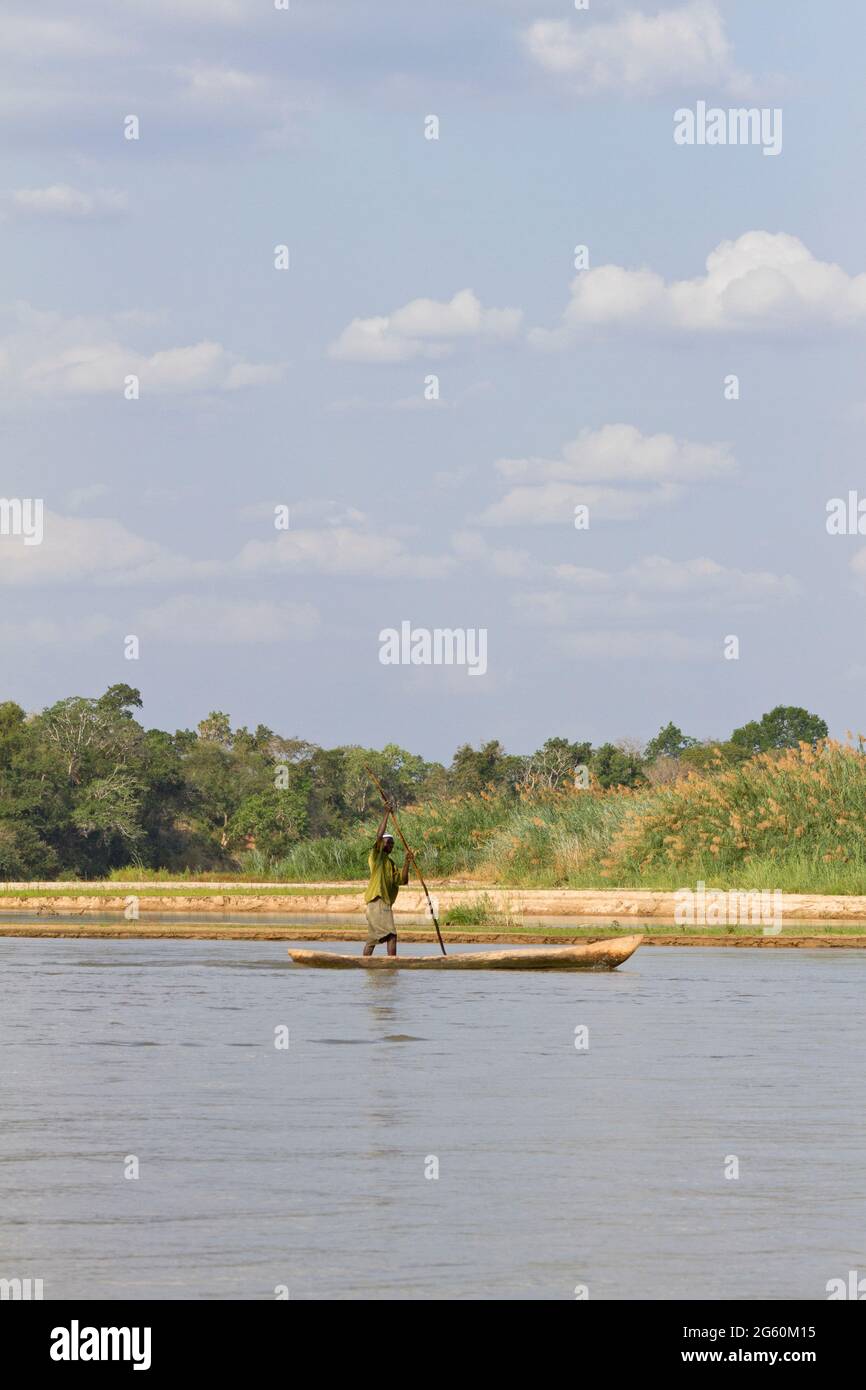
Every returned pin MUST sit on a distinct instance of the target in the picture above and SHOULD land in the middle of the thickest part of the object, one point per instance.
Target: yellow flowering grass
(808, 803)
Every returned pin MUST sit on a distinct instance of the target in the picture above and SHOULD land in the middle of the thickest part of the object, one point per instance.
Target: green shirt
(384, 877)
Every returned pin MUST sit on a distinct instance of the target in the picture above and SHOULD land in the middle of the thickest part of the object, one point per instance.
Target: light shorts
(380, 921)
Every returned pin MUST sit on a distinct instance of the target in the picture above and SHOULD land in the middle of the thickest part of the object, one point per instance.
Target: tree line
(85, 788)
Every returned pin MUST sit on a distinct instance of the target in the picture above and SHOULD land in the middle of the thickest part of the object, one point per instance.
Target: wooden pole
(375, 779)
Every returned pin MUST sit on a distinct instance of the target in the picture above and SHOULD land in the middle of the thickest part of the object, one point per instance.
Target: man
(384, 885)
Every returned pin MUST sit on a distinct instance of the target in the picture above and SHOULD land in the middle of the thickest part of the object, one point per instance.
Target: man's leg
(392, 945)
(374, 926)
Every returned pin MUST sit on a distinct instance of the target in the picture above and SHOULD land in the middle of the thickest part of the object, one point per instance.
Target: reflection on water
(261, 1166)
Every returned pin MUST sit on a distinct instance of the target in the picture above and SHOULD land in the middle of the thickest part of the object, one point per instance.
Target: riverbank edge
(533, 902)
(176, 931)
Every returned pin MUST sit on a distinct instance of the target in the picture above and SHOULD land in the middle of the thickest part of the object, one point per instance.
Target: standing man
(384, 885)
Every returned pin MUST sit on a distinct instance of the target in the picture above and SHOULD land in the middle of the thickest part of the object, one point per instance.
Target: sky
(167, 391)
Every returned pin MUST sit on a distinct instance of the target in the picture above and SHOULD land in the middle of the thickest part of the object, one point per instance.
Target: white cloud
(62, 200)
(610, 616)
(620, 453)
(680, 581)
(554, 503)
(91, 550)
(474, 550)
(638, 54)
(424, 327)
(101, 551)
(644, 592)
(655, 466)
(236, 102)
(341, 550)
(43, 354)
(73, 81)
(762, 282)
(204, 620)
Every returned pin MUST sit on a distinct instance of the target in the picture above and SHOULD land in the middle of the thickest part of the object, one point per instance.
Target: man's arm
(409, 859)
(383, 826)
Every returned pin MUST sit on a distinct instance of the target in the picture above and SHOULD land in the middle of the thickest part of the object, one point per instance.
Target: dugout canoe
(589, 955)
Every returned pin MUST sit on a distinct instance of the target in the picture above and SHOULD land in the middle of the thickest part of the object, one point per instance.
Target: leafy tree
(35, 795)
(220, 777)
(669, 742)
(13, 731)
(402, 774)
(553, 765)
(614, 766)
(108, 809)
(89, 735)
(784, 727)
(121, 699)
(329, 814)
(217, 728)
(488, 768)
(165, 798)
(23, 852)
(274, 820)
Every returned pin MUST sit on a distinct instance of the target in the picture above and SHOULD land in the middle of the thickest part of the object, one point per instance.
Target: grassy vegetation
(77, 889)
(481, 912)
(476, 912)
(794, 820)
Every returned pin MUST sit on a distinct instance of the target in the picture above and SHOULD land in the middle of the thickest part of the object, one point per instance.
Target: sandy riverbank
(334, 900)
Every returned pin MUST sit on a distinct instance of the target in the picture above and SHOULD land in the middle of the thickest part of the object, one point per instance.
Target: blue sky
(261, 387)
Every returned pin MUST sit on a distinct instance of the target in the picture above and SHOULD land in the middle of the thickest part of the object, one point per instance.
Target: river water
(310, 1168)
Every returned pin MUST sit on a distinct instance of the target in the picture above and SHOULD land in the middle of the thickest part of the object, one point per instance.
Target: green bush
(23, 853)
